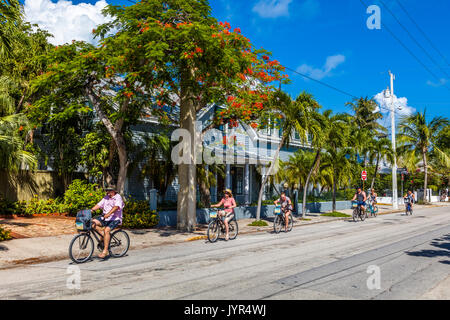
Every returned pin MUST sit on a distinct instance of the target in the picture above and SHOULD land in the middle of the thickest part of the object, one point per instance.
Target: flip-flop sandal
(102, 256)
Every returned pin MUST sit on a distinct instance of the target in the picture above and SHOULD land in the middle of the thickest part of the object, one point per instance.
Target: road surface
(407, 257)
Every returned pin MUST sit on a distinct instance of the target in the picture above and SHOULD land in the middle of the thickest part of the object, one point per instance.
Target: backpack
(84, 220)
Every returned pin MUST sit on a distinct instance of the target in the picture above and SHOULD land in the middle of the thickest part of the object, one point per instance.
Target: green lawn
(336, 215)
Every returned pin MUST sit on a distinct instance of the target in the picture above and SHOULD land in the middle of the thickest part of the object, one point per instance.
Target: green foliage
(37, 206)
(95, 153)
(4, 234)
(259, 223)
(82, 195)
(7, 207)
(137, 215)
(336, 215)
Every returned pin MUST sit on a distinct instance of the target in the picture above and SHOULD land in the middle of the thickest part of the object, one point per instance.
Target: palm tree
(335, 150)
(294, 118)
(317, 124)
(416, 138)
(295, 170)
(379, 149)
(10, 13)
(206, 178)
(366, 114)
(13, 157)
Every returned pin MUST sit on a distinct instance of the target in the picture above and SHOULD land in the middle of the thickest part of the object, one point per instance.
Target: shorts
(112, 224)
(228, 215)
(361, 203)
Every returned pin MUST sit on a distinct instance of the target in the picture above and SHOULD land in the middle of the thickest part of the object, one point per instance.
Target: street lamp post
(394, 164)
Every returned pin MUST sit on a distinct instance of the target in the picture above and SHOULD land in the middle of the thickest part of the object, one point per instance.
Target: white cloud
(272, 8)
(442, 82)
(331, 63)
(64, 20)
(401, 105)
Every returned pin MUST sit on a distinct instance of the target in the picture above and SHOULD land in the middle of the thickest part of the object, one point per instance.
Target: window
(238, 181)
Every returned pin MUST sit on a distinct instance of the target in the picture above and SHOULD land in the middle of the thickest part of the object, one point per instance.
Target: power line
(423, 33)
(407, 49)
(322, 83)
(414, 39)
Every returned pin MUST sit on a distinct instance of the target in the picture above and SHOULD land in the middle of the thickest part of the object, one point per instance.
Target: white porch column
(214, 190)
(247, 183)
(228, 177)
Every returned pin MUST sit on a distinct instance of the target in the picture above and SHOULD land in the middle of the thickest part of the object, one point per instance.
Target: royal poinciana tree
(165, 59)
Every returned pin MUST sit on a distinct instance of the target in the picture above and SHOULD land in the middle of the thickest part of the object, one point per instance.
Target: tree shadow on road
(442, 243)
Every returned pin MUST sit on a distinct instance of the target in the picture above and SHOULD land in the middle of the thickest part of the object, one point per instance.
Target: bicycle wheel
(290, 223)
(81, 248)
(213, 231)
(355, 215)
(375, 211)
(363, 215)
(277, 224)
(119, 243)
(233, 229)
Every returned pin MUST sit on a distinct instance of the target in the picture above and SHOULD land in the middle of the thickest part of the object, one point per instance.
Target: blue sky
(329, 40)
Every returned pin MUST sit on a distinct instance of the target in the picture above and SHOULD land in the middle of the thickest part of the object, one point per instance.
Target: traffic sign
(364, 176)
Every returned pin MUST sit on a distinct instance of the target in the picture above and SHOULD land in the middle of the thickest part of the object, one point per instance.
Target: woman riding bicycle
(373, 197)
(229, 204)
(286, 207)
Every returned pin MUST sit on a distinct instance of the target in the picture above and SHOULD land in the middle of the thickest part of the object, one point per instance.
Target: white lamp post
(390, 94)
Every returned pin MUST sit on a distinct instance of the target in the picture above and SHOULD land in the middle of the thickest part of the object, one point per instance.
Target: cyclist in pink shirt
(229, 204)
(112, 206)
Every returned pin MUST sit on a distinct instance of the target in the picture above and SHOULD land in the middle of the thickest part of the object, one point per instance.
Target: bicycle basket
(213, 214)
(83, 220)
(277, 211)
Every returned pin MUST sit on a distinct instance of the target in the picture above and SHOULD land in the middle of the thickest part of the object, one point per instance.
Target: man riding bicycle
(286, 207)
(361, 198)
(112, 205)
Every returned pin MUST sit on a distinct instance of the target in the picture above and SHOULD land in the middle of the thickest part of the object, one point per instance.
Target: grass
(259, 223)
(336, 215)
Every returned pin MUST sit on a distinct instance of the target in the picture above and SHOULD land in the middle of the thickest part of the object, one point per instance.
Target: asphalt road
(411, 255)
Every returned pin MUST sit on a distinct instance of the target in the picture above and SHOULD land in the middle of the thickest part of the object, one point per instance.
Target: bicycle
(217, 226)
(372, 209)
(280, 220)
(357, 212)
(408, 207)
(84, 244)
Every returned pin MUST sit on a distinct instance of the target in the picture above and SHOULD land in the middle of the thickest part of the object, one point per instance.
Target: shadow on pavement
(443, 243)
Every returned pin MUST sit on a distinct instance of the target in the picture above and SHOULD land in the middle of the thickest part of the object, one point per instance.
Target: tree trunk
(266, 178)
(375, 175)
(116, 133)
(425, 182)
(305, 191)
(187, 173)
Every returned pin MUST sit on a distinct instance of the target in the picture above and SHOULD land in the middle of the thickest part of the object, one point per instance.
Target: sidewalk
(44, 248)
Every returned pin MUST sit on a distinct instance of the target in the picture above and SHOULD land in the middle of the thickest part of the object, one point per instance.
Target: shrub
(259, 223)
(7, 207)
(36, 206)
(137, 215)
(4, 234)
(82, 195)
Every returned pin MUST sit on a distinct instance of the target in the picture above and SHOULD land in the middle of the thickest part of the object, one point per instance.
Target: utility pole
(394, 165)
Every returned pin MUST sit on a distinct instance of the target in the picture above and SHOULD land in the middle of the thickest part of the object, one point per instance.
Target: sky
(326, 40)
